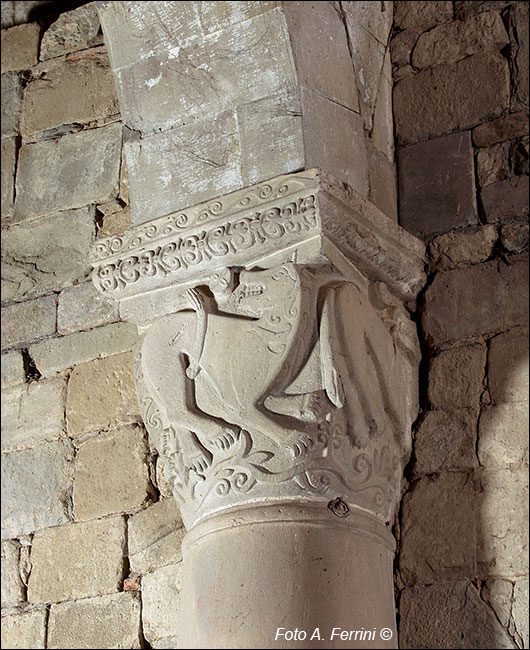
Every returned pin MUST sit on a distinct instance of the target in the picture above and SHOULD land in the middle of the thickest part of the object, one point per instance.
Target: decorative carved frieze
(245, 227)
(273, 372)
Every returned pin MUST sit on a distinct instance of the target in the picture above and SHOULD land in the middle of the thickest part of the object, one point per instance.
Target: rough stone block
(520, 611)
(519, 53)
(20, 47)
(461, 248)
(32, 413)
(35, 485)
(209, 77)
(508, 366)
(383, 183)
(334, 140)
(101, 394)
(83, 307)
(485, 298)
(519, 155)
(116, 222)
(25, 8)
(506, 200)
(374, 18)
(320, 51)
(8, 14)
(182, 167)
(28, 321)
(492, 164)
(471, 7)
(382, 133)
(437, 185)
(457, 39)
(11, 90)
(111, 474)
(77, 561)
(449, 615)
(438, 531)
(46, 255)
(53, 355)
(503, 435)
(27, 630)
(92, 156)
(514, 237)
(421, 16)
(147, 29)
(8, 161)
(72, 31)
(401, 47)
(446, 440)
(12, 366)
(161, 602)
(271, 137)
(69, 92)
(456, 377)
(508, 127)
(111, 621)
(368, 55)
(498, 594)
(155, 537)
(13, 591)
(216, 15)
(503, 523)
(451, 97)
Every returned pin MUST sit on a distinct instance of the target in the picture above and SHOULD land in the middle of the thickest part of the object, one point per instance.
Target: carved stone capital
(277, 359)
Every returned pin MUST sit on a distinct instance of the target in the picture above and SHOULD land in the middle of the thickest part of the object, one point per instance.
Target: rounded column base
(288, 575)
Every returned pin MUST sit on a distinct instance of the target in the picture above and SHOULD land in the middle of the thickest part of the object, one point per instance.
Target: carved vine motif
(201, 215)
(181, 253)
(216, 391)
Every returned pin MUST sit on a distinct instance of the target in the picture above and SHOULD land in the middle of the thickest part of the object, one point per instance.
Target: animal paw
(199, 463)
(225, 440)
(316, 406)
(302, 445)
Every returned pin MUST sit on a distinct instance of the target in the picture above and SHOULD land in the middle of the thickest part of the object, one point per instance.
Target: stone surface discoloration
(101, 395)
(466, 308)
(447, 105)
(92, 156)
(436, 185)
(12, 366)
(111, 621)
(46, 255)
(20, 47)
(27, 321)
(35, 487)
(73, 31)
(25, 630)
(56, 354)
(155, 537)
(81, 308)
(111, 474)
(69, 92)
(79, 560)
(32, 413)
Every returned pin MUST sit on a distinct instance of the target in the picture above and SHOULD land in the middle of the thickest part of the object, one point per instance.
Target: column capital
(278, 361)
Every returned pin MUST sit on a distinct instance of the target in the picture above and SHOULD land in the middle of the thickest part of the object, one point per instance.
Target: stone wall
(462, 565)
(90, 537)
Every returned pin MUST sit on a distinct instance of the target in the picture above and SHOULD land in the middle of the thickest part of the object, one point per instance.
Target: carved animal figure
(273, 352)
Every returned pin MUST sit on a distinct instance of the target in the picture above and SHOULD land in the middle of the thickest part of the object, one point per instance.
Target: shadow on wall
(463, 560)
